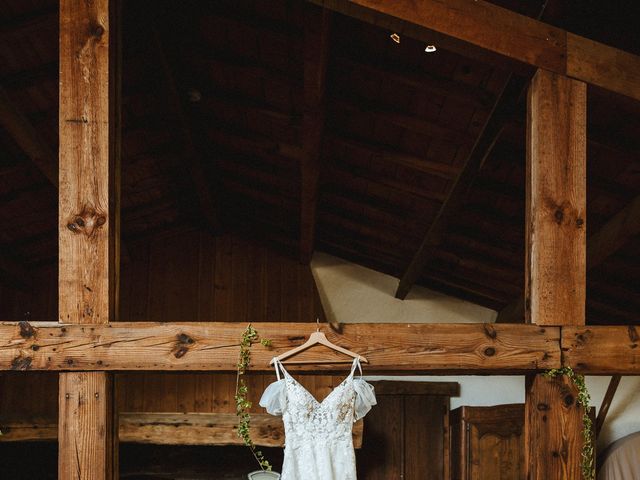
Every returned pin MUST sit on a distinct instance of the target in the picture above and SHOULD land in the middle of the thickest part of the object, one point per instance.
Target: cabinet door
(406, 434)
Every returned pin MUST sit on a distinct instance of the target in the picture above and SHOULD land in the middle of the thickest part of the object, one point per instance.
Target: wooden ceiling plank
(192, 156)
(493, 126)
(17, 124)
(477, 27)
(316, 57)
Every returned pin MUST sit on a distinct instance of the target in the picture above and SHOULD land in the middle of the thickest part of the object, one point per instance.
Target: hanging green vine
(586, 462)
(249, 337)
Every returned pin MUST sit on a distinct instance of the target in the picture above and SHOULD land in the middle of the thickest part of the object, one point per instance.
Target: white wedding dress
(319, 445)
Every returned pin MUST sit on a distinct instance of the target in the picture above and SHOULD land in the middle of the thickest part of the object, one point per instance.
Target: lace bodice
(318, 435)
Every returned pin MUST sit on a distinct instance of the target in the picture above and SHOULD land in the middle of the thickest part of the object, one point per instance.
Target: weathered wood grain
(173, 429)
(89, 221)
(602, 349)
(555, 281)
(602, 65)
(400, 348)
(86, 436)
(553, 427)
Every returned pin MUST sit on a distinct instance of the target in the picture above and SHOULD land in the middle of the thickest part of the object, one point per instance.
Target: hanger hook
(317, 324)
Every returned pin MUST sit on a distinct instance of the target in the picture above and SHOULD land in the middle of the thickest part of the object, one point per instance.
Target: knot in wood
(489, 331)
(185, 339)
(21, 363)
(579, 222)
(87, 221)
(568, 400)
(558, 215)
(489, 351)
(633, 334)
(543, 407)
(98, 31)
(26, 330)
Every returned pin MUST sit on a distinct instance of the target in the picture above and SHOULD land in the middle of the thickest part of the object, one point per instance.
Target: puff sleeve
(365, 397)
(273, 398)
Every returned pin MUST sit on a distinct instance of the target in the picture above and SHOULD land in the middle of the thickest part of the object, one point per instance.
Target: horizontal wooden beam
(602, 349)
(171, 429)
(483, 30)
(390, 348)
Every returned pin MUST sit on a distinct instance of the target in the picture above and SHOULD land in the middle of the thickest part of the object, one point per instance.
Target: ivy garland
(249, 336)
(586, 463)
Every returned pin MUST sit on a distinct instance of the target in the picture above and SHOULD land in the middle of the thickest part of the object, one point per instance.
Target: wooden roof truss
(89, 343)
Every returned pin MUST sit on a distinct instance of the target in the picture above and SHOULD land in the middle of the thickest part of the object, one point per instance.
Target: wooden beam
(602, 349)
(612, 236)
(88, 226)
(16, 123)
(483, 30)
(553, 429)
(173, 429)
(555, 280)
(606, 402)
(399, 348)
(505, 104)
(316, 56)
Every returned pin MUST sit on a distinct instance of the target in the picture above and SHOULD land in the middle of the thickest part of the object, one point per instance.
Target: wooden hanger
(318, 338)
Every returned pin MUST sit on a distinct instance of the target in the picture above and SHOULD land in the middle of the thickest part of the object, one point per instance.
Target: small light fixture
(395, 37)
(430, 48)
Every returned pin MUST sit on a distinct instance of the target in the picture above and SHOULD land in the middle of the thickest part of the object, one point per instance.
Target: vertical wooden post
(556, 263)
(555, 282)
(88, 226)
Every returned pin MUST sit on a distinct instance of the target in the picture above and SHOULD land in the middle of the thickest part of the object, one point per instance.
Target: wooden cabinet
(487, 443)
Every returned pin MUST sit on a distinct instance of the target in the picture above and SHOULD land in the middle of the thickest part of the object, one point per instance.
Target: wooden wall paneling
(274, 288)
(89, 223)
(223, 275)
(206, 277)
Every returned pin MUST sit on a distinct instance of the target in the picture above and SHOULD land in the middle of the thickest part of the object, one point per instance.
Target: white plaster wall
(354, 294)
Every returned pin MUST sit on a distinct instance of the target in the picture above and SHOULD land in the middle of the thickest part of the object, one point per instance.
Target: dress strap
(356, 364)
(278, 366)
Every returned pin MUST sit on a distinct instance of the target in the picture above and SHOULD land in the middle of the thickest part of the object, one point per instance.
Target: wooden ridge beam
(399, 348)
(316, 58)
(214, 429)
(485, 30)
(483, 146)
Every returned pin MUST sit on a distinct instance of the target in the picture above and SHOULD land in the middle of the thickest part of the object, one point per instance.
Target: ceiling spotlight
(194, 95)
(395, 37)
(430, 48)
